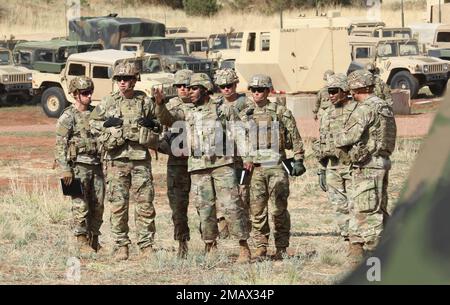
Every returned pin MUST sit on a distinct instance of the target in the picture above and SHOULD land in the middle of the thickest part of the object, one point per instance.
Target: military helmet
(182, 77)
(80, 83)
(327, 74)
(338, 81)
(260, 81)
(225, 77)
(126, 69)
(360, 79)
(201, 79)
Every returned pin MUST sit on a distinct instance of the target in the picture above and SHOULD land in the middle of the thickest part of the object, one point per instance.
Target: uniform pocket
(365, 198)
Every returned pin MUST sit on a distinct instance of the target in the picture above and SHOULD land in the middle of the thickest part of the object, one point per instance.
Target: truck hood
(13, 70)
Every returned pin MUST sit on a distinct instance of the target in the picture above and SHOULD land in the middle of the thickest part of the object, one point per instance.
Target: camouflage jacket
(382, 90)
(364, 134)
(202, 122)
(125, 137)
(288, 135)
(322, 101)
(240, 103)
(74, 141)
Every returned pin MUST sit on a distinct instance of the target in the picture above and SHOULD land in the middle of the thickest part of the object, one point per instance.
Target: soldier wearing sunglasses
(270, 181)
(226, 80)
(77, 156)
(323, 99)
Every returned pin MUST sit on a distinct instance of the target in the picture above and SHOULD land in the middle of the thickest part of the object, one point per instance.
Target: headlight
(30, 77)
(5, 78)
(425, 69)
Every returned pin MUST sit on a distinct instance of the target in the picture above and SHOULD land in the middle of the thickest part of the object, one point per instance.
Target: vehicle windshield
(4, 58)
(165, 46)
(408, 48)
(391, 49)
(151, 65)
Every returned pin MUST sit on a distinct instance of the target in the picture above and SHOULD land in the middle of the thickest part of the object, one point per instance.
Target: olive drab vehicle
(109, 30)
(400, 63)
(293, 67)
(15, 81)
(98, 65)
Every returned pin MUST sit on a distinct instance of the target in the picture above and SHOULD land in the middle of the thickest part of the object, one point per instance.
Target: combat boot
(224, 233)
(83, 246)
(210, 249)
(244, 253)
(121, 254)
(280, 253)
(146, 252)
(182, 249)
(94, 243)
(261, 252)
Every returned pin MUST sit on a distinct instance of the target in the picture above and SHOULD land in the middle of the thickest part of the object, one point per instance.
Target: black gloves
(322, 179)
(112, 122)
(298, 168)
(250, 111)
(147, 122)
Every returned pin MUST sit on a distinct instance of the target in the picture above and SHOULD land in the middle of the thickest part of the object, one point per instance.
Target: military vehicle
(293, 67)
(98, 65)
(9, 43)
(173, 51)
(434, 37)
(224, 48)
(15, 81)
(109, 30)
(176, 30)
(196, 43)
(400, 63)
(50, 56)
(381, 31)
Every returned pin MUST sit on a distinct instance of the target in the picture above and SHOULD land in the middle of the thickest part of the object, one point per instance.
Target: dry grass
(36, 242)
(30, 18)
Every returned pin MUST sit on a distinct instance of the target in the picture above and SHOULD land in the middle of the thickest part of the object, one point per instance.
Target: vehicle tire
(53, 102)
(404, 80)
(438, 89)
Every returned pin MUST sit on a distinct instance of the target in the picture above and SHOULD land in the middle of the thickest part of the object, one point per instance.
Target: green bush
(201, 7)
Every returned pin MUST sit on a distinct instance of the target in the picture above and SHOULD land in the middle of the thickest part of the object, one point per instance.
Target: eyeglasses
(86, 92)
(334, 90)
(194, 88)
(227, 86)
(257, 89)
(125, 78)
(180, 86)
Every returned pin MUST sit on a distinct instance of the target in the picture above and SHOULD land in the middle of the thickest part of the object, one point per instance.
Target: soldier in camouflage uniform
(125, 122)
(270, 181)
(213, 179)
(334, 174)
(77, 156)
(381, 89)
(227, 80)
(369, 138)
(323, 100)
(178, 178)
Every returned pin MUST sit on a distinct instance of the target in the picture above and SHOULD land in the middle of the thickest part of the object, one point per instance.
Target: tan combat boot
(261, 252)
(182, 249)
(146, 252)
(83, 246)
(224, 233)
(244, 253)
(280, 253)
(121, 254)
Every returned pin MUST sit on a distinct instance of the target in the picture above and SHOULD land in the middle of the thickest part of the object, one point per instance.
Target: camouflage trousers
(338, 180)
(87, 211)
(178, 186)
(125, 178)
(368, 205)
(218, 186)
(270, 185)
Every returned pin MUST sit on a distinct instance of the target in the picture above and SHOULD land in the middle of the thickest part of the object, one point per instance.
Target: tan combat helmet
(327, 74)
(260, 81)
(360, 79)
(126, 69)
(80, 83)
(182, 77)
(201, 79)
(225, 77)
(338, 81)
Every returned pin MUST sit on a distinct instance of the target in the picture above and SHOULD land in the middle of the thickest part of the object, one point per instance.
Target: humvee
(381, 31)
(400, 64)
(15, 81)
(109, 30)
(434, 37)
(50, 56)
(224, 48)
(196, 43)
(173, 52)
(99, 65)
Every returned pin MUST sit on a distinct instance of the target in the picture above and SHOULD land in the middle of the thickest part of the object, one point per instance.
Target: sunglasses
(181, 86)
(126, 78)
(194, 88)
(227, 86)
(334, 90)
(257, 89)
(86, 92)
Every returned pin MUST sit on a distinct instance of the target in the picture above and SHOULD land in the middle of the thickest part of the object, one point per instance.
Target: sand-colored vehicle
(382, 31)
(434, 37)
(400, 63)
(99, 65)
(196, 43)
(15, 81)
(224, 48)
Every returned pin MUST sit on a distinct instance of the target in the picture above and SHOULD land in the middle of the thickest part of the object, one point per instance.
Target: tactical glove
(112, 122)
(322, 179)
(147, 122)
(250, 111)
(298, 168)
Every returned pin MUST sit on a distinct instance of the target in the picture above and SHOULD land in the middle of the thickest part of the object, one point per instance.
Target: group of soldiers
(107, 148)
